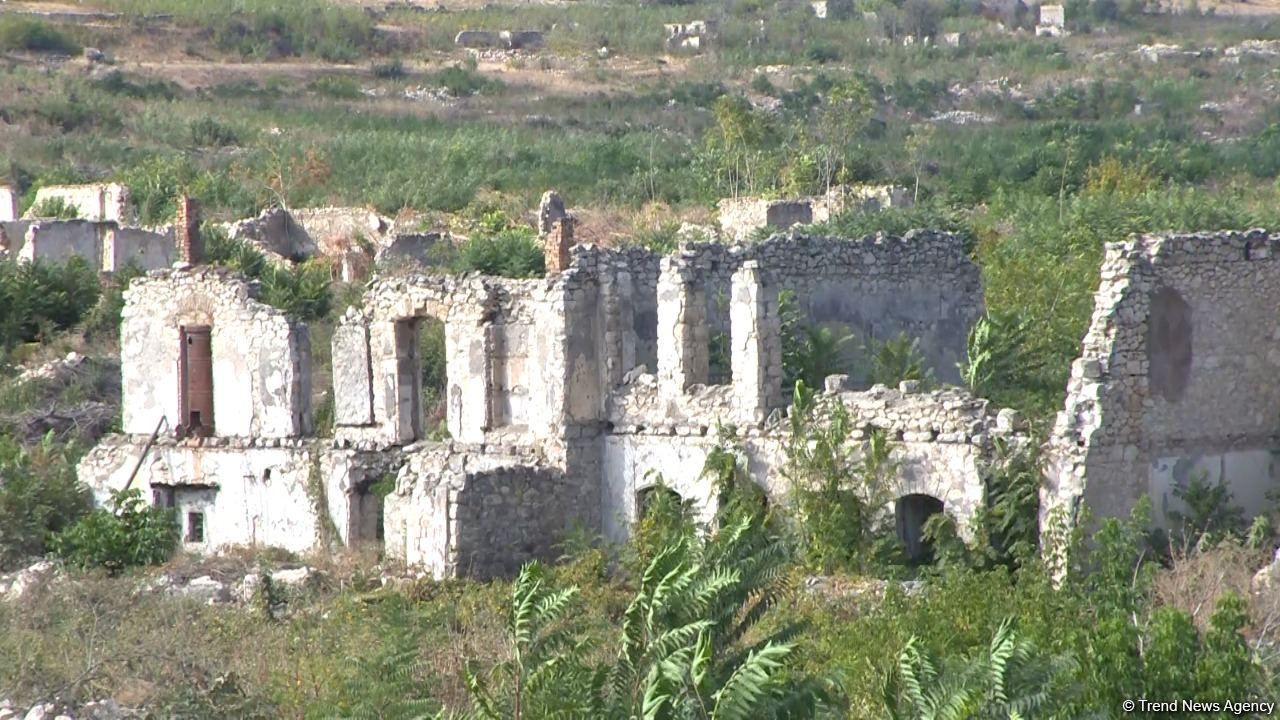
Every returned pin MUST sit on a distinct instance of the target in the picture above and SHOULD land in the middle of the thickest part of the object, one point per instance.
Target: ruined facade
(562, 395)
(99, 202)
(105, 246)
(1176, 377)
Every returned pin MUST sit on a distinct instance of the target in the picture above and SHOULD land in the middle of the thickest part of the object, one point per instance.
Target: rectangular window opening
(195, 527)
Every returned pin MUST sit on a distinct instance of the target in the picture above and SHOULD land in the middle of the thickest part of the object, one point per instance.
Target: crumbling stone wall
(459, 512)
(505, 344)
(290, 493)
(923, 284)
(740, 217)
(100, 202)
(1176, 376)
(940, 442)
(261, 358)
(104, 246)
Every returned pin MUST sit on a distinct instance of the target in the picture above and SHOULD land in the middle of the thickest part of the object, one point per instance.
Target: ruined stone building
(568, 397)
(1176, 378)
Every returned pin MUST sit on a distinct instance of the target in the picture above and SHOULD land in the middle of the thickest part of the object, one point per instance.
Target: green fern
(1010, 679)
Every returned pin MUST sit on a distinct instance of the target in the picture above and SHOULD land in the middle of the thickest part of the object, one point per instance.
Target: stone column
(556, 244)
(619, 351)
(756, 334)
(187, 232)
(469, 367)
(683, 338)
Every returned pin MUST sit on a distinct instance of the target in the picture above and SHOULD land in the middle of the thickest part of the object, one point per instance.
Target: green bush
(339, 87)
(39, 496)
(304, 290)
(127, 533)
(513, 252)
(208, 132)
(19, 33)
(838, 487)
(39, 298)
(461, 81)
(393, 70)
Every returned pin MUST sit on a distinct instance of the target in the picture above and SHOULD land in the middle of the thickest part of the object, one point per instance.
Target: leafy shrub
(663, 518)
(513, 252)
(809, 354)
(104, 319)
(690, 645)
(55, 207)
(837, 488)
(1011, 678)
(127, 533)
(896, 359)
(39, 298)
(334, 34)
(304, 291)
(19, 33)
(207, 132)
(461, 81)
(39, 496)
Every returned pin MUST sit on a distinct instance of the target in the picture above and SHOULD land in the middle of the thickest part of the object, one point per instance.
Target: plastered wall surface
(261, 359)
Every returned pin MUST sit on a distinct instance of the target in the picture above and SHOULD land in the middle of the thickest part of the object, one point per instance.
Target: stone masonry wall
(940, 441)
(457, 512)
(261, 359)
(923, 284)
(1176, 376)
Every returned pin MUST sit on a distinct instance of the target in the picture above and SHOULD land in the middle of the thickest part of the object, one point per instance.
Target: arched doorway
(911, 513)
(655, 496)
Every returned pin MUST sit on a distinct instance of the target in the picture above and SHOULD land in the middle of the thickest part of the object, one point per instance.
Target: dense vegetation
(808, 607)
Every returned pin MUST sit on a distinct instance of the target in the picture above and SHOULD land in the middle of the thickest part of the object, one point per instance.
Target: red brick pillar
(187, 231)
(556, 244)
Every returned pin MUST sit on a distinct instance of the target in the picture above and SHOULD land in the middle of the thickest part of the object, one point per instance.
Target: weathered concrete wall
(1177, 374)
(291, 494)
(145, 249)
(261, 359)
(104, 246)
(104, 202)
(61, 240)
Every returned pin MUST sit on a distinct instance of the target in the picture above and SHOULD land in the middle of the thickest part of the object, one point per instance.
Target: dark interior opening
(911, 513)
(195, 527)
(196, 381)
(646, 498)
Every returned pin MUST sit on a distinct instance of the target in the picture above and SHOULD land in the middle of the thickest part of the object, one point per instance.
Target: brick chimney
(187, 231)
(556, 244)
